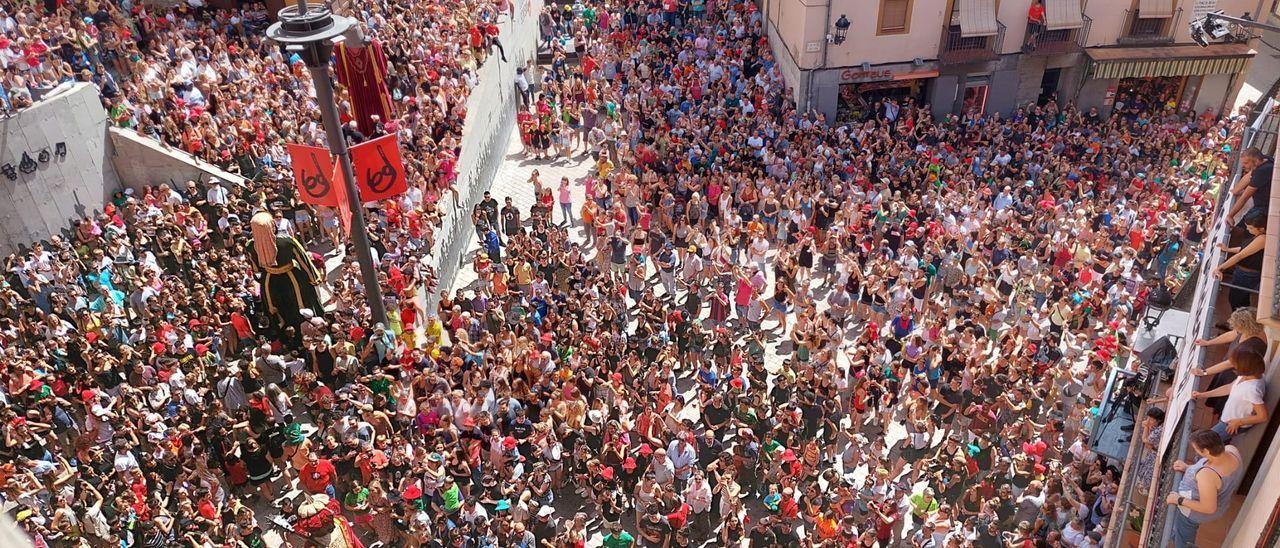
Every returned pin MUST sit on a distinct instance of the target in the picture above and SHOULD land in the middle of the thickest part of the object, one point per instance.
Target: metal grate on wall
(1159, 522)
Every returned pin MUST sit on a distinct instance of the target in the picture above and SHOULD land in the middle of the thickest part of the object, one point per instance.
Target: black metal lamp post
(309, 31)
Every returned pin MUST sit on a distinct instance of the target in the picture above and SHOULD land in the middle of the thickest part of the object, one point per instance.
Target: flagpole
(309, 31)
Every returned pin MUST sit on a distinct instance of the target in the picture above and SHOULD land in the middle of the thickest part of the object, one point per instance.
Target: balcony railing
(1061, 41)
(959, 49)
(1148, 30)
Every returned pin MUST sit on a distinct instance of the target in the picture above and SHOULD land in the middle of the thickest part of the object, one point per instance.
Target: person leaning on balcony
(1253, 191)
(1035, 24)
(1246, 259)
(1202, 494)
(1246, 404)
(1245, 332)
(1244, 326)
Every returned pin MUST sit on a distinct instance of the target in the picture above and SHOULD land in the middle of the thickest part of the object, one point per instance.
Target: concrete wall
(866, 45)
(945, 91)
(1093, 94)
(42, 203)
(1213, 90)
(1002, 95)
(141, 162)
(802, 25)
(787, 62)
(1256, 511)
(490, 119)
(99, 161)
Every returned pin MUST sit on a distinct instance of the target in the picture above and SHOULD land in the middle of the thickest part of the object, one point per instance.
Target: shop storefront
(1145, 94)
(862, 90)
(1134, 80)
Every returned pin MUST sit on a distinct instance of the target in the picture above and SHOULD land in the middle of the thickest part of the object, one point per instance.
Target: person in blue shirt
(1168, 252)
(492, 245)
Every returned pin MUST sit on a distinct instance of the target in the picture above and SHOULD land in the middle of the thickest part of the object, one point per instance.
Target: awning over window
(977, 18)
(1155, 9)
(1110, 63)
(1063, 14)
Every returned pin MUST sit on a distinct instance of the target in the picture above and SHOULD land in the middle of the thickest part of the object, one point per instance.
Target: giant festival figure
(285, 272)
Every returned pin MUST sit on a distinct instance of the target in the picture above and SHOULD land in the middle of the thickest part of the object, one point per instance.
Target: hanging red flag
(379, 171)
(313, 174)
(344, 204)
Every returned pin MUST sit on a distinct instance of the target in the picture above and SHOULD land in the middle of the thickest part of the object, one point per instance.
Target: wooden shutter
(894, 15)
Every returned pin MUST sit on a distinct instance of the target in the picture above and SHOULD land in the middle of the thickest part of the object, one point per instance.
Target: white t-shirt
(1244, 395)
(126, 461)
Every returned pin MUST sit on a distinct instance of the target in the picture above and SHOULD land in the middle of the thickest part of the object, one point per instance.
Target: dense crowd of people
(210, 83)
(756, 328)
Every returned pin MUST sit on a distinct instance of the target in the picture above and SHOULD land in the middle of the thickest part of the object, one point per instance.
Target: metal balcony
(1148, 31)
(958, 49)
(1061, 41)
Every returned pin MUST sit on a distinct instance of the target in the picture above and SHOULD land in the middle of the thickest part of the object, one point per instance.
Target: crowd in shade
(757, 329)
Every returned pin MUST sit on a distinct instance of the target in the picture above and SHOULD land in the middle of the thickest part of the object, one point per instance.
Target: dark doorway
(1049, 84)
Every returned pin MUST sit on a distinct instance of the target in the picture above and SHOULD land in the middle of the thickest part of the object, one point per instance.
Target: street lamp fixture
(310, 31)
(842, 30)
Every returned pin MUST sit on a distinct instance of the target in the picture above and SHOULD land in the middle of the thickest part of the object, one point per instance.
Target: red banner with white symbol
(313, 173)
(379, 171)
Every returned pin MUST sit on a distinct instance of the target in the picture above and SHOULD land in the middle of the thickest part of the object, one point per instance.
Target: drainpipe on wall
(808, 87)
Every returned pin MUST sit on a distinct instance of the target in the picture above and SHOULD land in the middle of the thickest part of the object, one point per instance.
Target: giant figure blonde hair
(264, 238)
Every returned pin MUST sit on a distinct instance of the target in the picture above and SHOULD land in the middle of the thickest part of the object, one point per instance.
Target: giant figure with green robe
(285, 273)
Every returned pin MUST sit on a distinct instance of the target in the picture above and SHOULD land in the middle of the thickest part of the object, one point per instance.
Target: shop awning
(1110, 63)
(918, 75)
(977, 18)
(1063, 14)
(1155, 9)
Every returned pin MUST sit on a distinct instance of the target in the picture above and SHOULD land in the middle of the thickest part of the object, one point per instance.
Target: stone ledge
(141, 162)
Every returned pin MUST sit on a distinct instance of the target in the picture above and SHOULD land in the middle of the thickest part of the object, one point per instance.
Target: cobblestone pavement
(512, 181)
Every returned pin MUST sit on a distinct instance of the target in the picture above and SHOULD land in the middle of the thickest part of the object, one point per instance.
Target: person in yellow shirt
(433, 333)
(524, 276)
(604, 166)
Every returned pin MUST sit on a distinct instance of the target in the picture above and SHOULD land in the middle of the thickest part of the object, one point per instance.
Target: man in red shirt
(491, 36)
(1035, 24)
(475, 39)
(885, 520)
(318, 475)
(207, 508)
(670, 11)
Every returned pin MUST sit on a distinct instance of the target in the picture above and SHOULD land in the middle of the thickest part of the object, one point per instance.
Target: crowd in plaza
(756, 328)
(209, 82)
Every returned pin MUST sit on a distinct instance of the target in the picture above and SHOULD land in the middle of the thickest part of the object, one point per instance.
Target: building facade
(964, 56)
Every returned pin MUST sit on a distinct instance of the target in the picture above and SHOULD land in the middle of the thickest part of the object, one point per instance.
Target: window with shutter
(894, 16)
